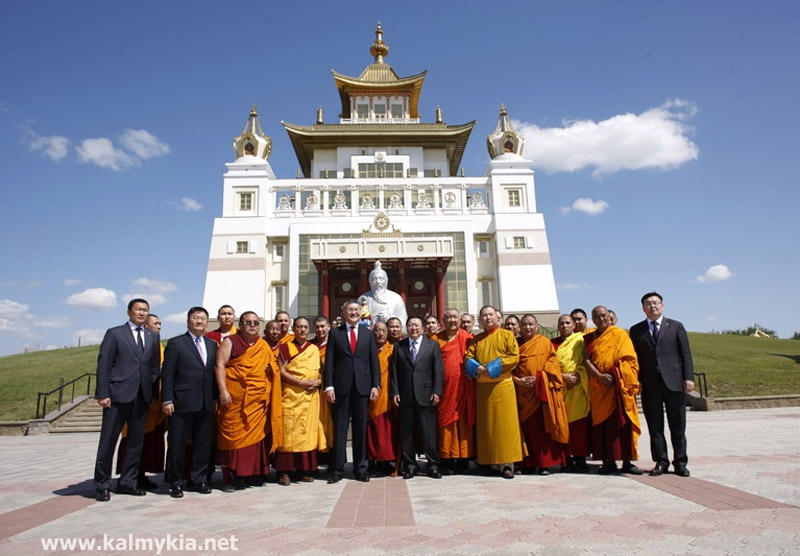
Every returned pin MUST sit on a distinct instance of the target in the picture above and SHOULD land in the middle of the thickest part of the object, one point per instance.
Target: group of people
(507, 397)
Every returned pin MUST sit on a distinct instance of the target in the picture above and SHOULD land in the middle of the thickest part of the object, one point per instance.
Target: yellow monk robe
(496, 421)
(325, 413)
(456, 410)
(218, 336)
(286, 339)
(570, 356)
(537, 357)
(381, 424)
(612, 352)
(255, 410)
(300, 406)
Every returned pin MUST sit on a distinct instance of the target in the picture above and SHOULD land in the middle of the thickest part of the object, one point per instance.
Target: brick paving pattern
(743, 497)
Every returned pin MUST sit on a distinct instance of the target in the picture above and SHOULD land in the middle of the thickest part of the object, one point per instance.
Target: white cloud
(189, 204)
(54, 147)
(710, 319)
(155, 285)
(152, 290)
(52, 322)
(72, 281)
(143, 143)
(100, 151)
(175, 318)
(569, 286)
(93, 298)
(657, 138)
(586, 205)
(716, 273)
(88, 336)
(12, 309)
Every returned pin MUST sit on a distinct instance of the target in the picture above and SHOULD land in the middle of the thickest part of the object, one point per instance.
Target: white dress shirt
(135, 337)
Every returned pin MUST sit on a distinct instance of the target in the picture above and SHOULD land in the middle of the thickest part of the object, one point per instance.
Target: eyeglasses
(651, 303)
(251, 323)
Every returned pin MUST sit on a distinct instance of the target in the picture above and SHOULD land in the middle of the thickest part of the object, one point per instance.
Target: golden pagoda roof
(305, 139)
(379, 77)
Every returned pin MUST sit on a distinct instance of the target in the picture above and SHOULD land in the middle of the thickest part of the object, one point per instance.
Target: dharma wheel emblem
(381, 222)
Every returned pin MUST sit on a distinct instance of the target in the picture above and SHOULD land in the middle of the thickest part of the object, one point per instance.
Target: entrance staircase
(87, 417)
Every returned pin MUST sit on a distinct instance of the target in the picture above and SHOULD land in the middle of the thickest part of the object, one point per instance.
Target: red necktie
(353, 339)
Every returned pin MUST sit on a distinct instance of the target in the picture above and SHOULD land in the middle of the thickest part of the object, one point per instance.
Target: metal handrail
(42, 397)
(702, 383)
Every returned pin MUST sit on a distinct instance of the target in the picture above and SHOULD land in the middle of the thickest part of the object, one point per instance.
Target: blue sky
(676, 123)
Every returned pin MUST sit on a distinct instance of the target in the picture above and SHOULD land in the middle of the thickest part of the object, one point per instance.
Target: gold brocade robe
(300, 406)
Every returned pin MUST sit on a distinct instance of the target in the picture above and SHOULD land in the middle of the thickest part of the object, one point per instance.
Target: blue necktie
(139, 340)
(655, 330)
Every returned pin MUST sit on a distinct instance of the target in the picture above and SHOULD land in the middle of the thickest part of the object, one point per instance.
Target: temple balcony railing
(351, 197)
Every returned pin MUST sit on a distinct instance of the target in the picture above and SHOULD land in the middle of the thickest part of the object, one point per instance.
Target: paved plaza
(743, 498)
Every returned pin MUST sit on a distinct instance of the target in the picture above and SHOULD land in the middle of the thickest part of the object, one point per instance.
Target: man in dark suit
(666, 374)
(189, 392)
(127, 368)
(352, 379)
(417, 380)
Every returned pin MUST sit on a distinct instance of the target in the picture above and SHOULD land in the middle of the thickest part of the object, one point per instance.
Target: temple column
(363, 283)
(439, 290)
(402, 285)
(326, 292)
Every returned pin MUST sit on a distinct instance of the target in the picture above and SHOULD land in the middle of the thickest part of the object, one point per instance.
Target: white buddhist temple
(380, 184)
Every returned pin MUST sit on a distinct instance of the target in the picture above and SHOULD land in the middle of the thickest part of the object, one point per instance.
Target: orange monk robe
(286, 339)
(325, 413)
(537, 357)
(300, 406)
(254, 383)
(496, 422)
(612, 352)
(456, 409)
(381, 424)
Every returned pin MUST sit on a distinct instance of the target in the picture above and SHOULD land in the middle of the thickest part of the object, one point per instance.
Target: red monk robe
(542, 414)
(615, 420)
(153, 446)
(251, 425)
(456, 409)
(382, 427)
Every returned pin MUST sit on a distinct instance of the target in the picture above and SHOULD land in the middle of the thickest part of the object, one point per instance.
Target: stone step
(80, 419)
(95, 428)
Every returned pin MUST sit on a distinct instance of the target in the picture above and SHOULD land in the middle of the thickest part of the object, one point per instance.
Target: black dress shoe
(682, 472)
(659, 469)
(146, 484)
(132, 490)
(203, 488)
(434, 473)
(102, 495)
(363, 477)
(630, 469)
(608, 468)
(176, 491)
(410, 473)
(334, 478)
(507, 473)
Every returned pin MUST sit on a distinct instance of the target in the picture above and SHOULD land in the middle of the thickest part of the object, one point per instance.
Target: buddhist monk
(226, 316)
(512, 325)
(613, 316)
(155, 425)
(467, 323)
(382, 433)
(576, 394)
(272, 334)
(301, 379)
(581, 321)
(540, 401)
(284, 322)
(613, 384)
(322, 328)
(456, 410)
(496, 353)
(249, 423)
(431, 326)
(395, 328)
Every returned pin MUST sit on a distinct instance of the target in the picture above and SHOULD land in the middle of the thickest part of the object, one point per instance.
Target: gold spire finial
(379, 49)
(253, 111)
(503, 110)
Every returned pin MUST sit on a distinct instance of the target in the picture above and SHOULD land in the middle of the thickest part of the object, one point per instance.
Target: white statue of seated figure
(383, 303)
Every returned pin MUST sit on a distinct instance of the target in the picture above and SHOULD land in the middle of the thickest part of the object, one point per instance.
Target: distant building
(380, 185)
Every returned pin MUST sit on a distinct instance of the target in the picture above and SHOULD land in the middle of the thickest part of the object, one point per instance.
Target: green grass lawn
(734, 366)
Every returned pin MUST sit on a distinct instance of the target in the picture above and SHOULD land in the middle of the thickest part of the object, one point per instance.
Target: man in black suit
(417, 379)
(189, 393)
(352, 379)
(666, 374)
(127, 367)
